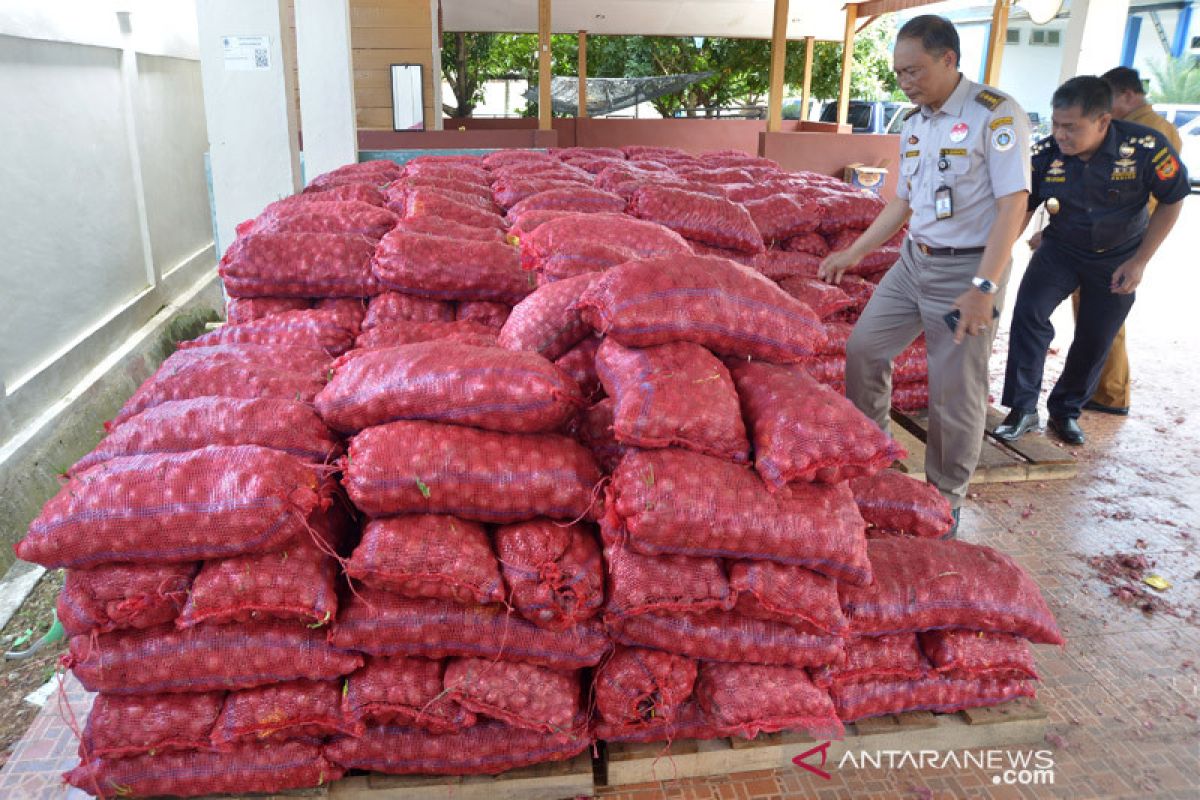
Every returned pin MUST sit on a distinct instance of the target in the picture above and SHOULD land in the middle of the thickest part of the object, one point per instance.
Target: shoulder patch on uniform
(1000, 122)
(989, 98)
(1167, 169)
(912, 112)
(1160, 155)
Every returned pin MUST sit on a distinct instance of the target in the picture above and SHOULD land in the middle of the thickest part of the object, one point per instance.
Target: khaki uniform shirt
(977, 144)
(1146, 115)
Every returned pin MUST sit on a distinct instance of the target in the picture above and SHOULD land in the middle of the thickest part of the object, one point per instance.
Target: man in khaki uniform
(964, 182)
(1129, 103)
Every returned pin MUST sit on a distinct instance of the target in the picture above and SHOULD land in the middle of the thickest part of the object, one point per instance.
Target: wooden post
(581, 110)
(847, 63)
(995, 53)
(545, 102)
(778, 61)
(810, 44)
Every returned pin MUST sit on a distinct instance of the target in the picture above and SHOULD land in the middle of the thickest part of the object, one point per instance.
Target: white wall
(104, 203)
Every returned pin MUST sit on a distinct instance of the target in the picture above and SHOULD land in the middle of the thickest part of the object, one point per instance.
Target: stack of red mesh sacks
(946, 624)
(477, 580)
(200, 541)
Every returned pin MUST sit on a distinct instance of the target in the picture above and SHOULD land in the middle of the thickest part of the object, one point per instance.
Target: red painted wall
(829, 153)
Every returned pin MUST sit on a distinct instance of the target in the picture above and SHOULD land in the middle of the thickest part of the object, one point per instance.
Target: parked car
(1178, 114)
(865, 116)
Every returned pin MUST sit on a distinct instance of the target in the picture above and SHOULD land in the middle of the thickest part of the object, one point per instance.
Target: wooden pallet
(1018, 722)
(554, 781)
(1030, 458)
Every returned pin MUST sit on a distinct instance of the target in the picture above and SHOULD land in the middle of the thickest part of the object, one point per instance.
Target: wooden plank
(545, 110)
(551, 781)
(778, 55)
(843, 103)
(1033, 446)
(392, 38)
(914, 463)
(810, 46)
(996, 39)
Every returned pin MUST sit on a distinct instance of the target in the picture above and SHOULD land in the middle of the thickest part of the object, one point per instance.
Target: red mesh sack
(399, 334)
(829, 371)
(856, 701)
(426, 555)
(547, 321)
(353, 217)
(926, 584)
(596, 433)
(424, 467)
(491, 315)
(383, 623)
(508, 192)
(530, 221)
(628, 188)
(449, 229)
(449, 184)
(761, 190)
(291, 710)
(396, 307)
(593, 166)
(783, 216)
(565, 153)
(911, 397)
(893, 501)
(717, 176)
(404, 691)
(688, 723)
(426, 203)
(206, 658)
(299, 265)
(554, 573)
(779, 265)
(181, 425)
(671, 501)
(838, 334)
(311, 362)
(349, 311)
(552, 170)
(727, 636)
(441, 381)
(812, 243)
(975, 654)
(708, 219)
(314, 329)
(825, 299)
(220, 375)
(488, 748)
(860, 290)
(376, 171)
(667, 585)
(578, 198)
(399, 197)
(209, 503)
(297, 583)
(114, 596)
(580, 363)
(469, 173)
(256, 767)
(240, 310)
(522, 695)
(750, 699)
(875, 658)
(637, 686)
(345, 193)
(568, 246)
(449, 269)
(673, 395)
(728, 308)
(501, 158)
(782, 593)
(804, 431)
(125, 726)
(856, 211)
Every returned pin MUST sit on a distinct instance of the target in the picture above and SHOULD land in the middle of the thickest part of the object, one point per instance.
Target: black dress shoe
(1067, 429)
(1120, 411)
(1016, 425)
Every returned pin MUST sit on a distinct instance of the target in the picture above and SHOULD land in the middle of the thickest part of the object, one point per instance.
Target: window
(1044, 37)
(1013, 36)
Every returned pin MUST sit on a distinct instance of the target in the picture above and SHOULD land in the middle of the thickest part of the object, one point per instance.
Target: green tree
(468, 62)
(871, 77)
(1175, 80)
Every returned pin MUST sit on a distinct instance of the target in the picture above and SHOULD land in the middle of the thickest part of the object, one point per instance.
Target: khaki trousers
(915, 295)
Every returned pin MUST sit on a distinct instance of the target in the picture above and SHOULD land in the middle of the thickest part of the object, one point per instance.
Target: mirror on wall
(408, 97)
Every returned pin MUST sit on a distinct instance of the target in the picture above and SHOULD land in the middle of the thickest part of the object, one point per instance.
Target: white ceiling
(749, 19)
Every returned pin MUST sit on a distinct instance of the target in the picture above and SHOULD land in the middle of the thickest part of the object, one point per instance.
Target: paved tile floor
(1122, 695)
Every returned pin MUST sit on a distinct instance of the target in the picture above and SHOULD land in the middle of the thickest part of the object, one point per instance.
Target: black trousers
(1055, 271)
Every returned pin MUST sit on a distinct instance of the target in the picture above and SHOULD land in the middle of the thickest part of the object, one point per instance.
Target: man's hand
(836, 264)
(1127, 277)
(1035, 241)
(975, 309)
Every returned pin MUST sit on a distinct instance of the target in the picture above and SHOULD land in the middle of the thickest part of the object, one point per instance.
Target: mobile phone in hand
(954, 316)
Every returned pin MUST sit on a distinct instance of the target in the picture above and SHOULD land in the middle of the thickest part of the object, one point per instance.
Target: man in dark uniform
(1095, 175)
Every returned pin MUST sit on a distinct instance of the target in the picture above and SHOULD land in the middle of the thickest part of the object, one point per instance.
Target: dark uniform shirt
(1101, 202)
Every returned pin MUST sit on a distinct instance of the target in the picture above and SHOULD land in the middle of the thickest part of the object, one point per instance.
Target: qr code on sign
(260, 58)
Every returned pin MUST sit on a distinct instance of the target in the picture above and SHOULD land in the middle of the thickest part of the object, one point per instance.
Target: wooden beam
(778, 62)
(582, 105)
(999, 34)
(545, 107)
(847, 64)
(810, 44)
(863, 25)
(876, 7)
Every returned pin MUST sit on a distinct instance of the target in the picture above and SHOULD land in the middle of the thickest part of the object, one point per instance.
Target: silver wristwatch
(984, 285)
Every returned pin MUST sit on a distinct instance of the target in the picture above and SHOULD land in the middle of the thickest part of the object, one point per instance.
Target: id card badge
(943, 202)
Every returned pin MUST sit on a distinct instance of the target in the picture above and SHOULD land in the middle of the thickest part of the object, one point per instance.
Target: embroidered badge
(911, 153)
(913, 139)
(959, 132)
(1000, 122)
(1003, 139)
(1126, 150)
(1167, 169)
(989, 98)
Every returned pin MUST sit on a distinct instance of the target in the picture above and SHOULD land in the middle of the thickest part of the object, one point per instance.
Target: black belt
(949, 251)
